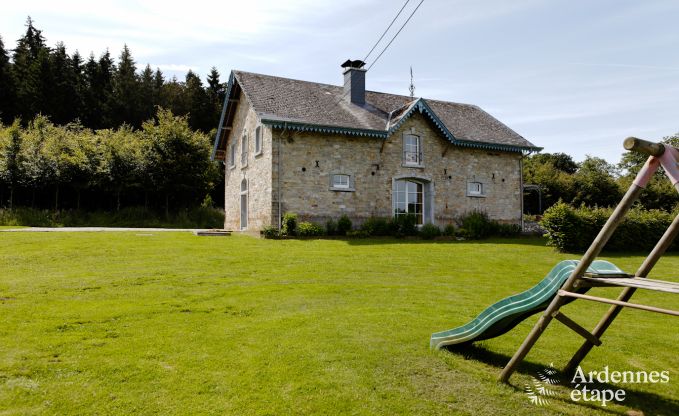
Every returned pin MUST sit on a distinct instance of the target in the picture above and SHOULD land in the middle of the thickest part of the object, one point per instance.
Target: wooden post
(645, 268)
(597, 245)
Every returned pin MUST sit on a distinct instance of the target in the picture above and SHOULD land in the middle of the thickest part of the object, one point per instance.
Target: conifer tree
(146, 93)
(126, 90)
(7, 87)
(31, 72)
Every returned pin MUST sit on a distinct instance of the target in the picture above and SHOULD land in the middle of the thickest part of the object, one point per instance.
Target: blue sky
(570, 76)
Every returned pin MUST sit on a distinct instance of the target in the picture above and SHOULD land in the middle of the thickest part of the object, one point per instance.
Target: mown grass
(139, 323)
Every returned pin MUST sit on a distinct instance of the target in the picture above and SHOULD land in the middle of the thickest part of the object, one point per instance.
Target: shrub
(289, 224)
(343, 225)
(309, 229)
(270, 232)
(330, 227)
(449, 230)
(357, 234)
(429, 231)
(573, 229)
(377, 226)
(207, 202)
(508, 230)
(477, 225)
(405, 225)
(198, 217)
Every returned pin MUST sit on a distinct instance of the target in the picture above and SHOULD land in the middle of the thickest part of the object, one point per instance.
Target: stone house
(322, 151)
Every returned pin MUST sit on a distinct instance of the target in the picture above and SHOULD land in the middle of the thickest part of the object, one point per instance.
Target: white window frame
(476, 189)
(420, 199)
(259, 139)
(348, 187)
(232, 155)
(244, 150)
(407, 153)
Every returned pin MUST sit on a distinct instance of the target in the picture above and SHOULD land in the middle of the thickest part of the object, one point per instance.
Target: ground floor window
(409, 199)
(475, 189)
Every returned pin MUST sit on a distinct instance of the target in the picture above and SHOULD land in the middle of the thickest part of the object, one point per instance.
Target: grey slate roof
(277, 99)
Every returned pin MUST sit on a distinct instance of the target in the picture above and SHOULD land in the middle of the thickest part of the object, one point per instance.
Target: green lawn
(170, 323)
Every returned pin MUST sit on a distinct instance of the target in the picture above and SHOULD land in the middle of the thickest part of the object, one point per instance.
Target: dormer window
(412, 150)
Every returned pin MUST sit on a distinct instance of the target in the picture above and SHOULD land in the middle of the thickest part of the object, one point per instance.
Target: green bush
(199, 217)
(289, 225)
(357, 234)
(377, 226)
(477, 225)
(508, 230)
(270, 232)
(343, 225)
(449, 230)
(309, 229)
(429, 231)
(404, 225)
(330, 227)
(573, 229)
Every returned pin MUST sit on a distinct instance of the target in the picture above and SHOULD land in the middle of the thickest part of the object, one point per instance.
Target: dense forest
(99, 134)
(100, 92)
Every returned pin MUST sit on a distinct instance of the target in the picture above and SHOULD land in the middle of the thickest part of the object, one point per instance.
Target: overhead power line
(386, 30)
(392, 39)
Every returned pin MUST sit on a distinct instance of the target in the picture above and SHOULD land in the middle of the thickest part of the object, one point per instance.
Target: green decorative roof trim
(290, 125)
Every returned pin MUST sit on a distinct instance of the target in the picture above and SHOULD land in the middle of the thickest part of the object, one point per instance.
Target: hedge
(573, 229)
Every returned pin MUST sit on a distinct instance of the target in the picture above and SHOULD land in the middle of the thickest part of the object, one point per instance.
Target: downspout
(278, 175)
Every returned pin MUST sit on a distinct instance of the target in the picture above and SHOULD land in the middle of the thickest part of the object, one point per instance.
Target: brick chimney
(354, 81)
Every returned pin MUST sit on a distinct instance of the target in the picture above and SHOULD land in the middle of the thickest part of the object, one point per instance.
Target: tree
(659, 193)
(595, 183)
(126, 91)
(10, 159)
(31, 72)
(120, 162)
(200, 110)
(559, 161)
(7, 87)
(64, 105)
(555, 183)
(176, 158)
(147, 97)
(34, 165)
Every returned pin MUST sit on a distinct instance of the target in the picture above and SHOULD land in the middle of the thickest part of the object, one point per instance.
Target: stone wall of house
(257, 172)
(308, 161)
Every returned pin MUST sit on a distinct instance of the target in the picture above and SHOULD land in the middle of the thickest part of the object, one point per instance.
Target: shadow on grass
(649, 403)
(523, 240)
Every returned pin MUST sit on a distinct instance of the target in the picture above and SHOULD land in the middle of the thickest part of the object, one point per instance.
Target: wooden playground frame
(659, 155)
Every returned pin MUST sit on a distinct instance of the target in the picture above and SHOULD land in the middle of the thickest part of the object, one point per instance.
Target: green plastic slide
(504, 315)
